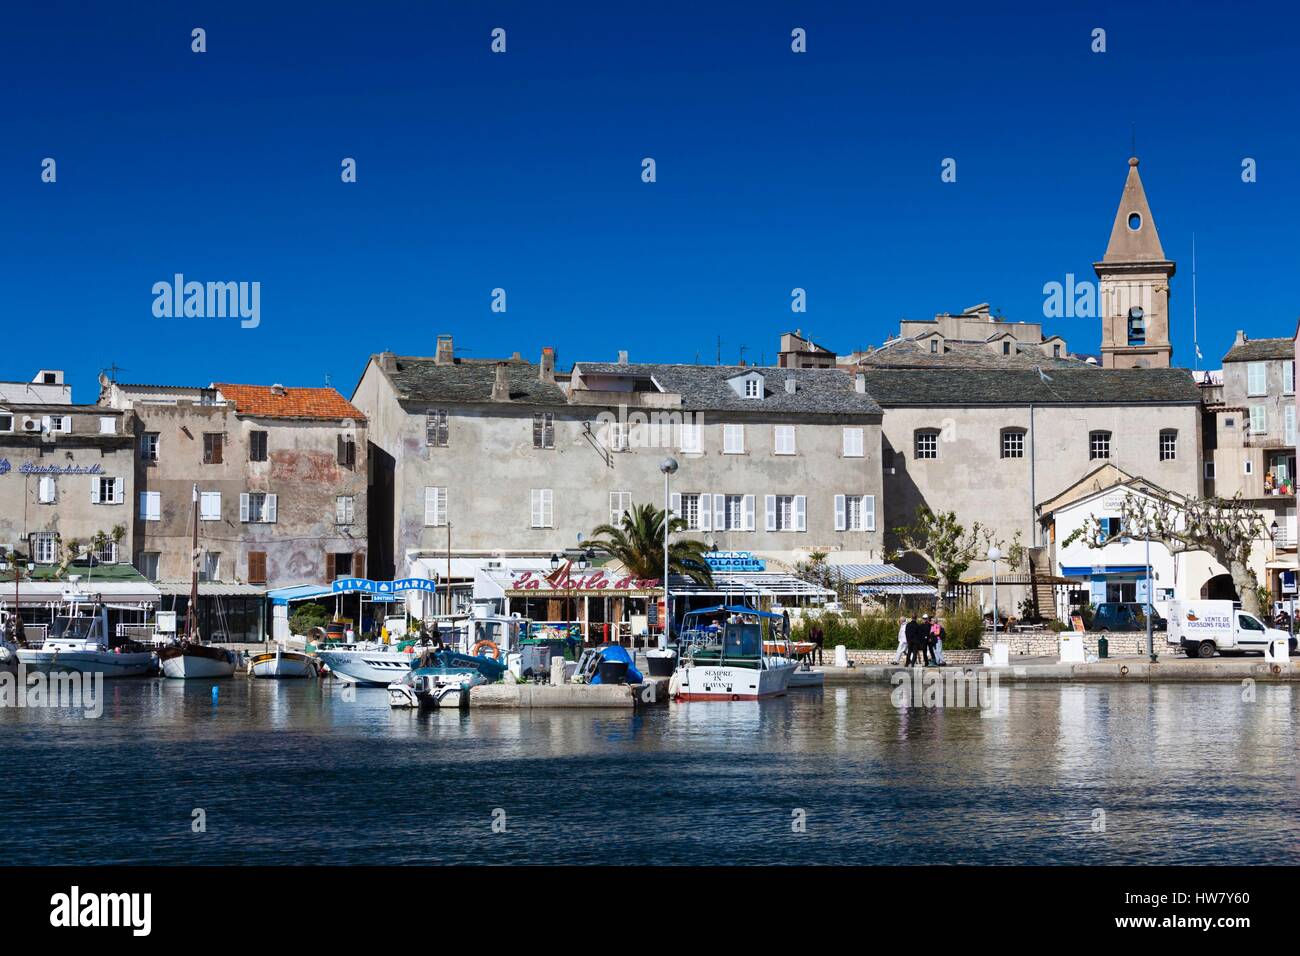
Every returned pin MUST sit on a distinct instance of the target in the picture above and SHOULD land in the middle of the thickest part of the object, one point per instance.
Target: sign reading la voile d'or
(568, 582)
(32, 468)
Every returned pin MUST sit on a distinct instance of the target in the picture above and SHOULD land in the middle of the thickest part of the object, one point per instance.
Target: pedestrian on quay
(819, 642)
(902, 641)
(927, 640)
(915, 641)
(937, 634)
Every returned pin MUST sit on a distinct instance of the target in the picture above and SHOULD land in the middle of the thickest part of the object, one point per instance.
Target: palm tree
(638, 543)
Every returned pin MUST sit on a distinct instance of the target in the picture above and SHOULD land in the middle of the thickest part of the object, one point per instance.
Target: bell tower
(1134, 284)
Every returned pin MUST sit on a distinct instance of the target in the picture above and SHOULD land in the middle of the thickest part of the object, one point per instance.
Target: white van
(1201, 628)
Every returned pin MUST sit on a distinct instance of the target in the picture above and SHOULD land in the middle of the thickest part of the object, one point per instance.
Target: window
(209, 506)
(1137, 326)
(927, 443)
(106, 491)
(1229, 423)
(257, 567)
(6, 423)
(787, 513)
(617, 436)
(853, 443)
(1056, 351)
(435, 428)
(543, 508)
(543, 430)
(1209, 470)
(105, 552)
(692, 437)
(207, 396)
(107, 426)
(689, 511)
(1288, 424)
(1006, 348)
(1258, 420)
(620, 503)
(257, 446)
(60, 423)
(934, 346)
(735, 512)
(1098, 445)
(1013, 443)
(855, 512)
(45, 547)
(347, 451)
(784, 440)
(210, 567)
(47, 490)
(1247, 467)
(1108, 528)
(752, 387)
(1257, 378)
(147, 564)
(149, 446)
(212, 443)
(1134, 221)
(257, 507)
(343, 509)
(435, 507)
(150, 506)
(1168, 444)
(733, 439)
(1288, 377)
(338, 565)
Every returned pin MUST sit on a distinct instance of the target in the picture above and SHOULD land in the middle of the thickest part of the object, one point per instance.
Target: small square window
(927, 444)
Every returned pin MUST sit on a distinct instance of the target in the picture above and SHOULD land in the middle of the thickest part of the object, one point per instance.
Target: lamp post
(667, 466)
(1151, 610)
(994, 555)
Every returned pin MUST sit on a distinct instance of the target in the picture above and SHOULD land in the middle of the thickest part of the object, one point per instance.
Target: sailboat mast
(191, 619)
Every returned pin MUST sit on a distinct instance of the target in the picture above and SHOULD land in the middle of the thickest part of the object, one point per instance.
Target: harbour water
(301, 772)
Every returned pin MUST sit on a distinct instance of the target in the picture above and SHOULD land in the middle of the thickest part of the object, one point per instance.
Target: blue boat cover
(614, 652)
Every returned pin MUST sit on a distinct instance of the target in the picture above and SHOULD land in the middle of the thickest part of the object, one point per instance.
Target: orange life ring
(496, 651)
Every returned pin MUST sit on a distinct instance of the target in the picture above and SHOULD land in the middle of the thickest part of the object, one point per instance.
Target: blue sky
(522, 171)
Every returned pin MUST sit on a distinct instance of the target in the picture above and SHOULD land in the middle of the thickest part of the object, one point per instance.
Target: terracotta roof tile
(265, 402)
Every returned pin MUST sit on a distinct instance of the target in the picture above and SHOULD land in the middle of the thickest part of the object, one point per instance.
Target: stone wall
(1047, 643)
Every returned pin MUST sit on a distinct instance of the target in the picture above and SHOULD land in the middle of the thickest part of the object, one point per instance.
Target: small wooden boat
(283, 665)
(789, 648)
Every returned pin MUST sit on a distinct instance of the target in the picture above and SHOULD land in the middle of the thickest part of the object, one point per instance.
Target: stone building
(490, 458)
(66, 474)
(280, 475)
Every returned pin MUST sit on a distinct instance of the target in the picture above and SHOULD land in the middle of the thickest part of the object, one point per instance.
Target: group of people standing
(921, 640)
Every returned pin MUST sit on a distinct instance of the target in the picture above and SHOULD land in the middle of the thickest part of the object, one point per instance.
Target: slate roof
(818, 391)
(1005, 386)
(421, 380)
(313, 403)
(1257, 350)
(905, 353)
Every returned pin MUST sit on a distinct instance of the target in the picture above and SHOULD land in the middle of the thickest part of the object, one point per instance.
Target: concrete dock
(1140, 670)
(526, 696)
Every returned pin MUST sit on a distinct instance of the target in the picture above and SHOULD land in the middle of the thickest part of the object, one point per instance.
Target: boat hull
(196, 661)
(108, 663)
(368, 668)
(729, 682)
(807, 678)
(288, 665)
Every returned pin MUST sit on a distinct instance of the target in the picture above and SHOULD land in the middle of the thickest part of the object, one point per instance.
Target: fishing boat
(189, 656)
(726, 661)
(430, 688)
(367, 663)
(282, 664)
(78, 641)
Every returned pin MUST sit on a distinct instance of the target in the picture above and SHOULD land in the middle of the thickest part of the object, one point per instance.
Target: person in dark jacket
(819, 641)
(931, 634)
(915, 640)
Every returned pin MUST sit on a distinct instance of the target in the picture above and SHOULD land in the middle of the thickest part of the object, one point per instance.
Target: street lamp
(555, 562)
(667, 466)
(994, 555)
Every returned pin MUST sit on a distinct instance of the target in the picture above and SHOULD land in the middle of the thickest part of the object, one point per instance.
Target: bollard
(1103, 647)
(557, 670)
(841, 656)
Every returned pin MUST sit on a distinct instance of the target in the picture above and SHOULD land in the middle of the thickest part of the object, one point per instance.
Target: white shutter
(769, 506)
(144, 505)
(535, 508)
(800, 513)
(841, 522)
(47, 490)
(548, 508)
(674, 505)
(704, 507)
(268, 513)
(868, 512)
(719, 512)
(853, 443)
(747, 509)
(94, 490)
(243, 507)
(340, 510)
(155, 506)
(440, 507)
(119, 491)
(430, 507)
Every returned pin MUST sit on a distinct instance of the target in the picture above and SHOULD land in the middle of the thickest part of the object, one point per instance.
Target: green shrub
(856, 632)
(307, 616)
(964, 628)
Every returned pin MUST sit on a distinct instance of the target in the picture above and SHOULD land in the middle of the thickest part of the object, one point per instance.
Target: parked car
(1124, 616)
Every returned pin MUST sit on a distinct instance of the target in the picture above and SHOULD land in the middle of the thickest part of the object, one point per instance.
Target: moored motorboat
(368, 664)
(282, 664)
(726, 662)
(429, 688)
(78, 642)
(805, 676)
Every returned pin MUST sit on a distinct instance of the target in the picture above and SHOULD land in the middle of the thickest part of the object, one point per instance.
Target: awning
(31, 593)
(880, 579)
(211, 589)
(754, 584)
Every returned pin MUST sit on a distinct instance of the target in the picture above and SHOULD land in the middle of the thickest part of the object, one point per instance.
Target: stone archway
(1219, 588)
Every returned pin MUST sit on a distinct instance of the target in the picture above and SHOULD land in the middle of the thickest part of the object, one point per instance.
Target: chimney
(277, 389)
(444, 354)
(501, 384)
(546, 372)
(388, 361)
(860, 383)
(1241, 338)
(622, 357)
(789, 384)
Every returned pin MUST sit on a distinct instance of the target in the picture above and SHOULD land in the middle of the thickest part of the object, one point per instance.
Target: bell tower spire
(1134, 276)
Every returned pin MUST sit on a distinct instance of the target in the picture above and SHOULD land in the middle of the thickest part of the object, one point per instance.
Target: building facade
(66, 475)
